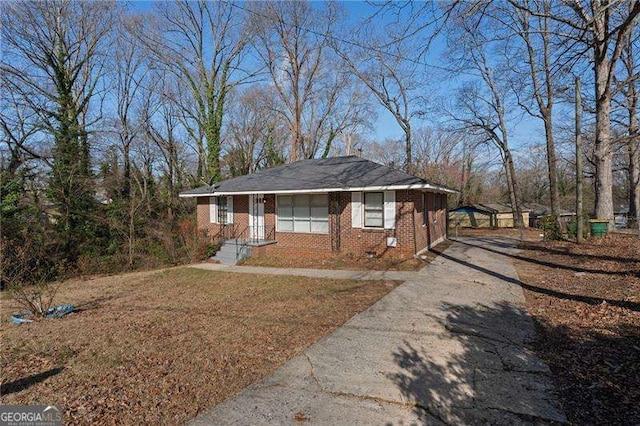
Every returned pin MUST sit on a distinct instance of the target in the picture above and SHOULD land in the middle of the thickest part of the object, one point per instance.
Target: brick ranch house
(323, 206)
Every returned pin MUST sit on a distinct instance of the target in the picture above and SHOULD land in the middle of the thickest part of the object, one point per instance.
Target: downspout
(413, 219)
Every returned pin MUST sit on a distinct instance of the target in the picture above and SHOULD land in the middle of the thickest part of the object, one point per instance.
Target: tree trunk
(552, 164)
(631, 94)
(213, 148)
(634, 178)
(297, 132)
(634, 160)
(465, 186)
(201, 160)
(579, 185)
(602, 152)
(131, 232)
(513, 188)
(126, 174)
(408, 149)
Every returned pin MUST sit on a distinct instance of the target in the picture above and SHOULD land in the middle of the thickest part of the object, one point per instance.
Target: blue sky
(525, 131)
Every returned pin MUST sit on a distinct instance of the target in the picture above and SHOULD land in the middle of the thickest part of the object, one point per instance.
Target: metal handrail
(227, 231)
(271, 235)
(243, 239)
(240, 247)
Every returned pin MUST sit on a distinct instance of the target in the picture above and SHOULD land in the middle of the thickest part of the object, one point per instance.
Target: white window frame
(222, 210)
(389, 214)
(214, 210)
(364, 210)
(310, 217)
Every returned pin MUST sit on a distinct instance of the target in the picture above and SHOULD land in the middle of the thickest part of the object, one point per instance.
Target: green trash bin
(598, 227)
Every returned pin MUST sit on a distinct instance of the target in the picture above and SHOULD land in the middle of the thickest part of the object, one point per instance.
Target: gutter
(423, 187)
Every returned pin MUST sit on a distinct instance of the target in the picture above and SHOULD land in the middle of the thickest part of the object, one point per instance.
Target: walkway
(448, 346)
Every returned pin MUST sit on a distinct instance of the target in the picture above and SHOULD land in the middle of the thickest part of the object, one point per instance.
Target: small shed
(485, 215)
(471, 216)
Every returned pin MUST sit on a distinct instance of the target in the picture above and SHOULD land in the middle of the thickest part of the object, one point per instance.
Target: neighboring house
(539, 211)
(485, 215)
(339, 204)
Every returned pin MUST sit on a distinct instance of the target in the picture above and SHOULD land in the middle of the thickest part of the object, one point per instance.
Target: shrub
(29, 277)
(551, 228)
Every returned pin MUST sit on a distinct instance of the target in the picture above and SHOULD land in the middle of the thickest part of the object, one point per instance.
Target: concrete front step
(230, 253)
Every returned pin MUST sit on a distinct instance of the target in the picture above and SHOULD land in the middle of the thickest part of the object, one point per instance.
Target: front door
(256, 217)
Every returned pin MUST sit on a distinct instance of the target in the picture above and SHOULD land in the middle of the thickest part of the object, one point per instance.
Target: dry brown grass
(585, 300)
(347, 261)
(161, 347)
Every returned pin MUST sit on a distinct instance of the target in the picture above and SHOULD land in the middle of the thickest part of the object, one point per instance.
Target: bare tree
(389, 58)
(392, 79)
(389, 152)
(20, 139)
(602, 27)
(629, 91)
(437, 155)
(254, 131)
(131, 69)
(481, 107)
(317, 98)
(535, 34)
(162, 127)
(202, 43)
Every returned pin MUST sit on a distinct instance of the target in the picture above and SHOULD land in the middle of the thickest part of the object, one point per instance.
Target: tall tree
(602, 28)
(629, 90)
(161, 127)
(202, 43)
(535, 34)
(131, 70)
(253, 127)
(393, 80)
(387, 52)
(481, 107)
(316, 96)
(52, 63)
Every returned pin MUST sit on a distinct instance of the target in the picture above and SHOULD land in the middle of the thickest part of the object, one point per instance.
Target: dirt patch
(585, 301)
(347, 261)
(161, 347)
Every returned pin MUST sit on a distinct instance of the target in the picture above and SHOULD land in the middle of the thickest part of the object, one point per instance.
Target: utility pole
(579, 221)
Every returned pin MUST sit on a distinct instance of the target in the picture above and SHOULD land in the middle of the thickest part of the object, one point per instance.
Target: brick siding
(411, 233)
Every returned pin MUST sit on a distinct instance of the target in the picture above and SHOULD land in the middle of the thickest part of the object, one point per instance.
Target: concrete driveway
(448, 346)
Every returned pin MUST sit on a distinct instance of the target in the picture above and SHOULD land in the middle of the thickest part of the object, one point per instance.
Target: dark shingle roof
(336, 173)
(489, 208)
(472, 207)
(497, 207)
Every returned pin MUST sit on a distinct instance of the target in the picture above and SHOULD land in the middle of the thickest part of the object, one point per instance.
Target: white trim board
(424, 187)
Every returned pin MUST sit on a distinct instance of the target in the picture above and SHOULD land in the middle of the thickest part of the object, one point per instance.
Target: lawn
(585, 301)
(161, 347)
(347, 261)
